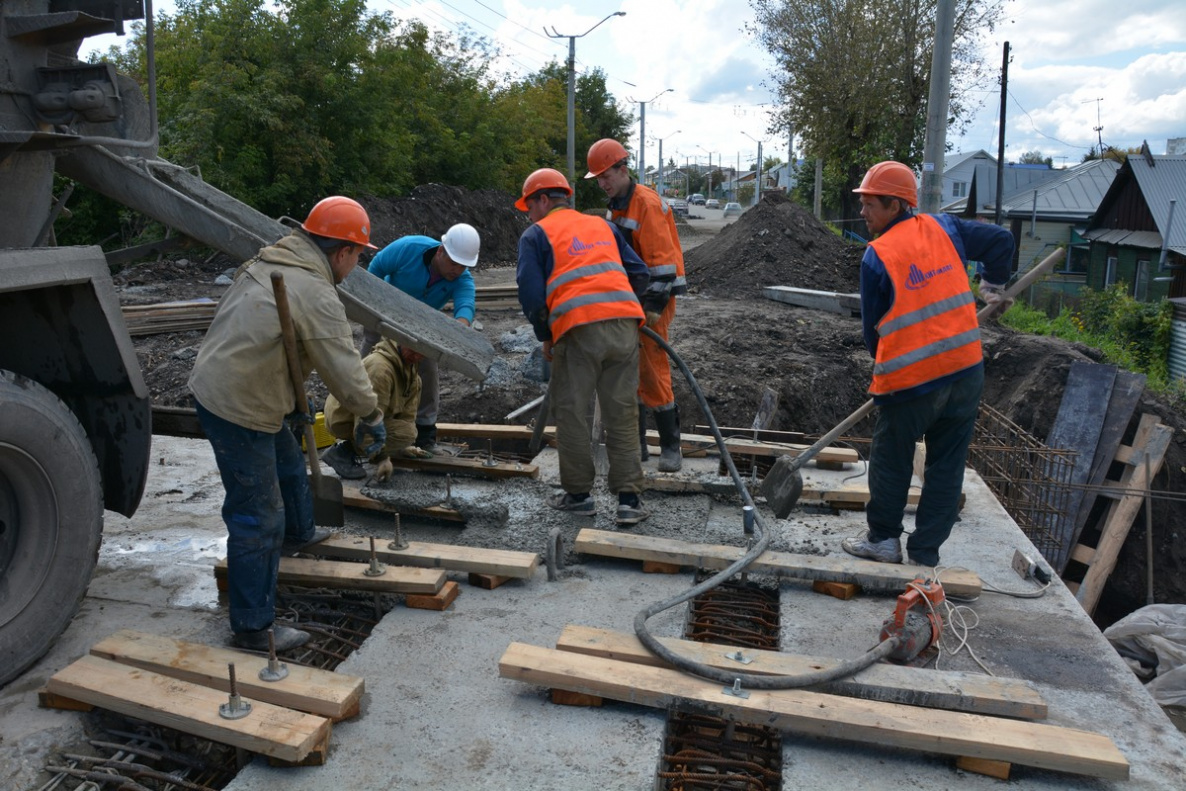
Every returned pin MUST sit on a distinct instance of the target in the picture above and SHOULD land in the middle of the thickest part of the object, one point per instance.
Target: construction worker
(434, 272)
(648, 225)
(579, 286)
(244, 394)
(393, 375)
(921, 328)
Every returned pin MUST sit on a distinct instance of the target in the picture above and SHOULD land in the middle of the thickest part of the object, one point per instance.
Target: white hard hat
(461, 243)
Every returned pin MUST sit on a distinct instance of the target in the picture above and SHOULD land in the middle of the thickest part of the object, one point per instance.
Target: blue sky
(1066, 55)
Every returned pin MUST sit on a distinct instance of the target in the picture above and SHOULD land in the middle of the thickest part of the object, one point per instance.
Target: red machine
(916, 622)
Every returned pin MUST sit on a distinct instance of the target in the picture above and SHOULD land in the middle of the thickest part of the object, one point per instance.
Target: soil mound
(776, 243)
(431, 209)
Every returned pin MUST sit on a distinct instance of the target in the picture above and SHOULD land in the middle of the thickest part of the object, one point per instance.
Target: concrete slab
(437, 715)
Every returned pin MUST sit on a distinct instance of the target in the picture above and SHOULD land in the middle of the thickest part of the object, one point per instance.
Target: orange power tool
(916, 621)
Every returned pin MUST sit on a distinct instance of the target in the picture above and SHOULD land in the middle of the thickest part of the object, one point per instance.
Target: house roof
(1161, 181)
(1074, 193)
(982, 190)
(960, 157)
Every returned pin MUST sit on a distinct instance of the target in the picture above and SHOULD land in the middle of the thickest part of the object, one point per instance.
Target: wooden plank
(310, 689)
(473, 467)
(869, 574)
(839, 590)
(342, 575)
(490, 431)
(747, 447)
(1077, 427)
(270, 730)
(816, 713)
(352, 495)
(435, 601)
(1120, 516)
(911, 686)
(478, 560)
(764, 435)
(983, 766)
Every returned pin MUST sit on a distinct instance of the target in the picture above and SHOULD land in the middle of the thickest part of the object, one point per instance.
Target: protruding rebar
(398, 542)
(276, 670)
(235, 708)
(376, 569)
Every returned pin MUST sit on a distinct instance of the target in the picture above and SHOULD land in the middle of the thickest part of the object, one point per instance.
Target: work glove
(413, 452)
(297, 419)
(371, 425)
(383, 471)
(994, 297)
(653, 318)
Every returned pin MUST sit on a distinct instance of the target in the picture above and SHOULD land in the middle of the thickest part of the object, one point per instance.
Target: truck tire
(51, 520)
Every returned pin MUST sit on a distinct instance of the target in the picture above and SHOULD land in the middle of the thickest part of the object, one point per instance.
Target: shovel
(327, 492)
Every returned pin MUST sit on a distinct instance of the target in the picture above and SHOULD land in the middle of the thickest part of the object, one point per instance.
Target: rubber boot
(667, 422)
(426, 437)
(645, 452)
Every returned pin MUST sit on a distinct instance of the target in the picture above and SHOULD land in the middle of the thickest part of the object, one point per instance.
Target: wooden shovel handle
(294, 372)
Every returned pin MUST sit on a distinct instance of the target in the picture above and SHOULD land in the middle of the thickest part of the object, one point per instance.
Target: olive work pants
(945, 420)
(598, 358)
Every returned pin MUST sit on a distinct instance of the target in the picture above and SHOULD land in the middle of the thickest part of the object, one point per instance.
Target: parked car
(679, 206)
(712, 203)
(732, 210)
(696, 199)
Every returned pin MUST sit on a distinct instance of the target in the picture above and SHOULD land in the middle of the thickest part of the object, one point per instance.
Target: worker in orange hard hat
(648, 224)
(921, 328)
(579, 284)
(247, 406)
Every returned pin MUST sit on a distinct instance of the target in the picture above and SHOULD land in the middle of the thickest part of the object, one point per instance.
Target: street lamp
(572, 69)
(706, 151)
(758, 170)
(661, 139)
(642, 133)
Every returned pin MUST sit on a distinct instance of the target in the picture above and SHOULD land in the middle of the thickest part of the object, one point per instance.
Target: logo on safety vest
(577, 247)
(917, 278)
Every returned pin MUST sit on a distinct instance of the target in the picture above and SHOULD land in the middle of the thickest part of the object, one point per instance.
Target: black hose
(757, 547)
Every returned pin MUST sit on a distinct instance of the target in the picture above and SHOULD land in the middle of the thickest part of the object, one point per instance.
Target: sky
(705, 82)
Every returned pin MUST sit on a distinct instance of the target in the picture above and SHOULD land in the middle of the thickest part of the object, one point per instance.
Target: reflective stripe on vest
(649, 227)
(931, 330)
(588, 282)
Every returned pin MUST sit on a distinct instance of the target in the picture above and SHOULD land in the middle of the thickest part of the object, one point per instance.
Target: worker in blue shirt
(433, 272)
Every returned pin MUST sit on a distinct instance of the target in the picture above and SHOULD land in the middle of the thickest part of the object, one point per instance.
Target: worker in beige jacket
(244, 394)
(395, 378)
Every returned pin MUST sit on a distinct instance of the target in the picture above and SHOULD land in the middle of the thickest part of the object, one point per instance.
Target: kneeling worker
(396, 383)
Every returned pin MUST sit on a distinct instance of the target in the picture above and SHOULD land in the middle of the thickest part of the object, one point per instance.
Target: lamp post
(642, 134)
(661, 139)
(706, 151)
(572, 59)
(758, 170)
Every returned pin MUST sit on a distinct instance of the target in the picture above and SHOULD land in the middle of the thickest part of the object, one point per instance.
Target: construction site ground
(437, 713)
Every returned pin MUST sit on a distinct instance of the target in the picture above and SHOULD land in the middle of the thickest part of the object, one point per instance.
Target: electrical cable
(757, 547)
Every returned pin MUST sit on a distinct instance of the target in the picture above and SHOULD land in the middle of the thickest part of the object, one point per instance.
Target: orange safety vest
(648, 224)
(588, 282)
(931, 330)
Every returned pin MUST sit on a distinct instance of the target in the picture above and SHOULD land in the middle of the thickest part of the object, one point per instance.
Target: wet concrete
(437, 715)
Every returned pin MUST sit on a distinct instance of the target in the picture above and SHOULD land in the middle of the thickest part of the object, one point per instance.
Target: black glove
(297, 419)
(371, 425)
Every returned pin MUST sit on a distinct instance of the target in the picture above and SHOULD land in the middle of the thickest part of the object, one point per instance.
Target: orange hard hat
(890, 178)
(338, 217)
(542, 179)
(603, 155)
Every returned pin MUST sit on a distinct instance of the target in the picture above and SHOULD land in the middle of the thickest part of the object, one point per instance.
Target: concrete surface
(436, 715)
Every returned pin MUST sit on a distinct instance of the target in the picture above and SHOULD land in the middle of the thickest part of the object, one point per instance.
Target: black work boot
(426, 437)
(642, 433)
(285, 638)
(667, 421)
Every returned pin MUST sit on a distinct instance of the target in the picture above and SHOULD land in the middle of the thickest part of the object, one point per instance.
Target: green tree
(854, 76)
(1035, 158)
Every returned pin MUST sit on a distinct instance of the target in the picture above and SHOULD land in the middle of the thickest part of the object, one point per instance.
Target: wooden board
(500, 562)
(472, 467)
(493, 431)
(940, 689)
(340, 575)
(270, 730)
(747, 447)
(870, 575)
(309, 689)
(352, 495)
(815, 713)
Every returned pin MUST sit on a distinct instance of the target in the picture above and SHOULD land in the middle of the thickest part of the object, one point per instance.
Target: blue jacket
(405, 264)
(989, 244)
(536, 261)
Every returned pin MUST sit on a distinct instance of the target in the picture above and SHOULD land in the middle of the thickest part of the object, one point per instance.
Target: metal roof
(1074, 193)
(1148, 239)
(1161, 182)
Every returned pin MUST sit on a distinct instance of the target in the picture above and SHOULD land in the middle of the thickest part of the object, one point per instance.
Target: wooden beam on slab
(870, 575)
(493, 431)
(911, 686)
(747, 447)
(815, 713)
(352, 496)
(477, 468)
(500, 562)
(274, 731)
(309, 689)
(341, 575)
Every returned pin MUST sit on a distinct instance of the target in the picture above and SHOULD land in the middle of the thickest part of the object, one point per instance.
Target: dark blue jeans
(944, 419)
(267, 499)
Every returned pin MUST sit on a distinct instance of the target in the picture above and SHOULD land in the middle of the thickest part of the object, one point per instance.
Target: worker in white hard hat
(434, 272)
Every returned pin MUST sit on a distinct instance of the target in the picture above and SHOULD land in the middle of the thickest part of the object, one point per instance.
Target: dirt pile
(432, 208)
(776, 243)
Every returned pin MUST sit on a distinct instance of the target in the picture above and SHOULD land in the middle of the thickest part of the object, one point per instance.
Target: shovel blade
(327, 501)
(782, 486)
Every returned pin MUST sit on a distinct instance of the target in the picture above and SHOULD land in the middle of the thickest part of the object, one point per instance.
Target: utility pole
(757, 170)
(937, 101)
(642, 134)
(661, 139)
(1099, 127)
(1001, 134)
(572, 80)
(706, 151)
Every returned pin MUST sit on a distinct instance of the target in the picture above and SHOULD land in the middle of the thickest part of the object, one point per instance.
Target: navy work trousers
(267, 499)
(945, 420)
